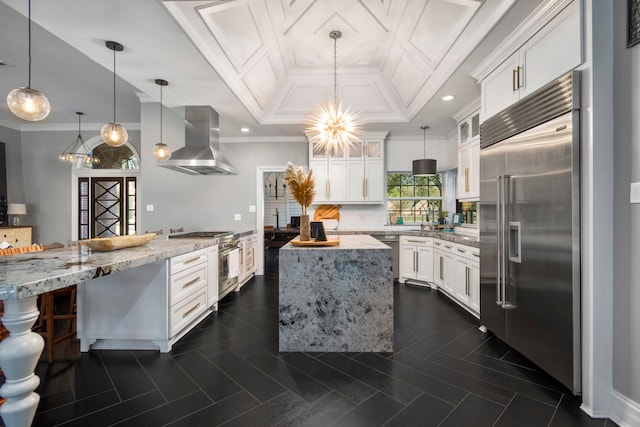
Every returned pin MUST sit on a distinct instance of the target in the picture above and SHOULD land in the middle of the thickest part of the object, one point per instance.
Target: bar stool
(49, 303)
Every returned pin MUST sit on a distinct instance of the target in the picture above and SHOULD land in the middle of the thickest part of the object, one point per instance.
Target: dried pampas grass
(302, 185)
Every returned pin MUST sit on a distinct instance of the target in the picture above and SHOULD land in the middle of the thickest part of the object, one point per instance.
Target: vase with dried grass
(302, 186)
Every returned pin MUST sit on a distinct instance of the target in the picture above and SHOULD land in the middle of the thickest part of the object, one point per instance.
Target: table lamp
(16, 209)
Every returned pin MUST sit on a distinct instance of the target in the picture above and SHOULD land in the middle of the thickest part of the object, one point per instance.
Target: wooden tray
(105, 244)
(335, 241)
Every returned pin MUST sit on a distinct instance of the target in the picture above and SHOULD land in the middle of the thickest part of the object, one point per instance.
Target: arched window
(121, 157)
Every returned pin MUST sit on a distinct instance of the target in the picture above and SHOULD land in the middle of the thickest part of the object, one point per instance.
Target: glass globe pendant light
(25, 102)
(161, 151)
(114, 134)
(424, 167)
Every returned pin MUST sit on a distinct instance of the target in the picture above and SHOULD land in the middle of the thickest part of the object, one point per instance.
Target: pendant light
(78, 149)
(332, 128)
(113, 133)
(424, 167)
(161, 151)
(25, 102)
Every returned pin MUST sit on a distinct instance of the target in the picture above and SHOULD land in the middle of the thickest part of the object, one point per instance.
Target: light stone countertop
(29, 274)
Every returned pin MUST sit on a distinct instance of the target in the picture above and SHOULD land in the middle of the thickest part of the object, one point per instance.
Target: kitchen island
(337, 298)
(25, 276)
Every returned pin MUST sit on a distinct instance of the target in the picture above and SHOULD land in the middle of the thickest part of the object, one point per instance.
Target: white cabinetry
(248, 247)
(187, 289)
(468, 182)
(443, 258)
(457, 273)
(416, 259)
(146, 307)
(355, 176)
(551, 52)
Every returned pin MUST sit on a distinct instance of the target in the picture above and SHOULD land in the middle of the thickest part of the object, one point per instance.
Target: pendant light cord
(160, 114)
(335, 71)
(79, 134)
(29, 12)
(424, 141)
(114, 85)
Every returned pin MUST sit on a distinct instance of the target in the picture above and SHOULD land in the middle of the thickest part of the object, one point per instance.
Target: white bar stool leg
(19, 354)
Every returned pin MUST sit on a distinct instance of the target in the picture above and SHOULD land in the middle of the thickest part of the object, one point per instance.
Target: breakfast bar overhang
(336, 298)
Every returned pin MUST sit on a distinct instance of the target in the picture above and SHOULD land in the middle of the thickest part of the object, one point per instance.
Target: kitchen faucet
(423, 224)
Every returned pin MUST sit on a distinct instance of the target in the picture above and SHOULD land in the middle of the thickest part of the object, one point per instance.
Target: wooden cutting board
(329, 242)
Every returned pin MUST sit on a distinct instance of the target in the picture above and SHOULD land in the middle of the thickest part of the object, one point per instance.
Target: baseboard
(624, 411)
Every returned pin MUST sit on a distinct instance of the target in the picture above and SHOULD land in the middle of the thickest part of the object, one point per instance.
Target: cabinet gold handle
(188, 312)
(448, 247)
(475, 255)
(364, 192)
(466, 179)
(416, 241)
(462, 251)
(191, 282)
(520, 69)
(466, 279)
(189, 261)
(417, 262)
(441, 268)
(366, 187)
(513, 80)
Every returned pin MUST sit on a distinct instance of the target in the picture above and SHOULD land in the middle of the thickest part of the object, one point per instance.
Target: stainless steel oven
(228, 266)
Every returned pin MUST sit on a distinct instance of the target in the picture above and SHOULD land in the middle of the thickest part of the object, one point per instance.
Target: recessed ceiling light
(244, 130)
(448, 97)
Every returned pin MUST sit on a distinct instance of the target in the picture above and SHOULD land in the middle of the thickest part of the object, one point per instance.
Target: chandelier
(333, 128)
(78, 149)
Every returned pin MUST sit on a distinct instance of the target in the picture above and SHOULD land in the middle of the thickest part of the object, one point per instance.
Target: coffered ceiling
(277, 57)
(261, 63)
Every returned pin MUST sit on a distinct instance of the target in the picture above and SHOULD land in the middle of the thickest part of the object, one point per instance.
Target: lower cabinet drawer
(186, 282)
(183, 313)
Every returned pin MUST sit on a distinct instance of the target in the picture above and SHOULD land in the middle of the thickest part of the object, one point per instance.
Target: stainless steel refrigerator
(530, 228)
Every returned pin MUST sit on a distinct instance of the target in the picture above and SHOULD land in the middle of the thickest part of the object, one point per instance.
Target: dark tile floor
(228, 371)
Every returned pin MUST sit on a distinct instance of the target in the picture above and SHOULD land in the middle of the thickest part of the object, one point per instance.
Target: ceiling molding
(466, 110)
(262, 139)
(530, 26)
(10, 125)
(63, 127)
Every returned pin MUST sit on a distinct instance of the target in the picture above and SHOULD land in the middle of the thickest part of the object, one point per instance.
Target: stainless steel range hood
(201, 153)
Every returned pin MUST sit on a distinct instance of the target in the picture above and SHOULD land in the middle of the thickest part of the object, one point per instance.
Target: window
(114, 158)
(414, 198)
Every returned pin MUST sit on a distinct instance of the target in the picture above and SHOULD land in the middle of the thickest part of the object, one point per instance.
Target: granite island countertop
(35, 273)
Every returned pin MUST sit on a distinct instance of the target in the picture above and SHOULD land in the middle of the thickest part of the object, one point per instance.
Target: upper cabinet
(468, 181)
(356, 176)
(550, 46)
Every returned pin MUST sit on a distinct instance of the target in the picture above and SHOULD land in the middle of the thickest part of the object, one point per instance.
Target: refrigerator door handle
(507, 303)
(498, 240)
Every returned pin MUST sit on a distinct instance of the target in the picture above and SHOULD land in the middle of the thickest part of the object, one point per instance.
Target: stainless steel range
(228, 257)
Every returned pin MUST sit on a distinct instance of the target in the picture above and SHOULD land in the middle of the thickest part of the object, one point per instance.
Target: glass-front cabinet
(355, 175)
